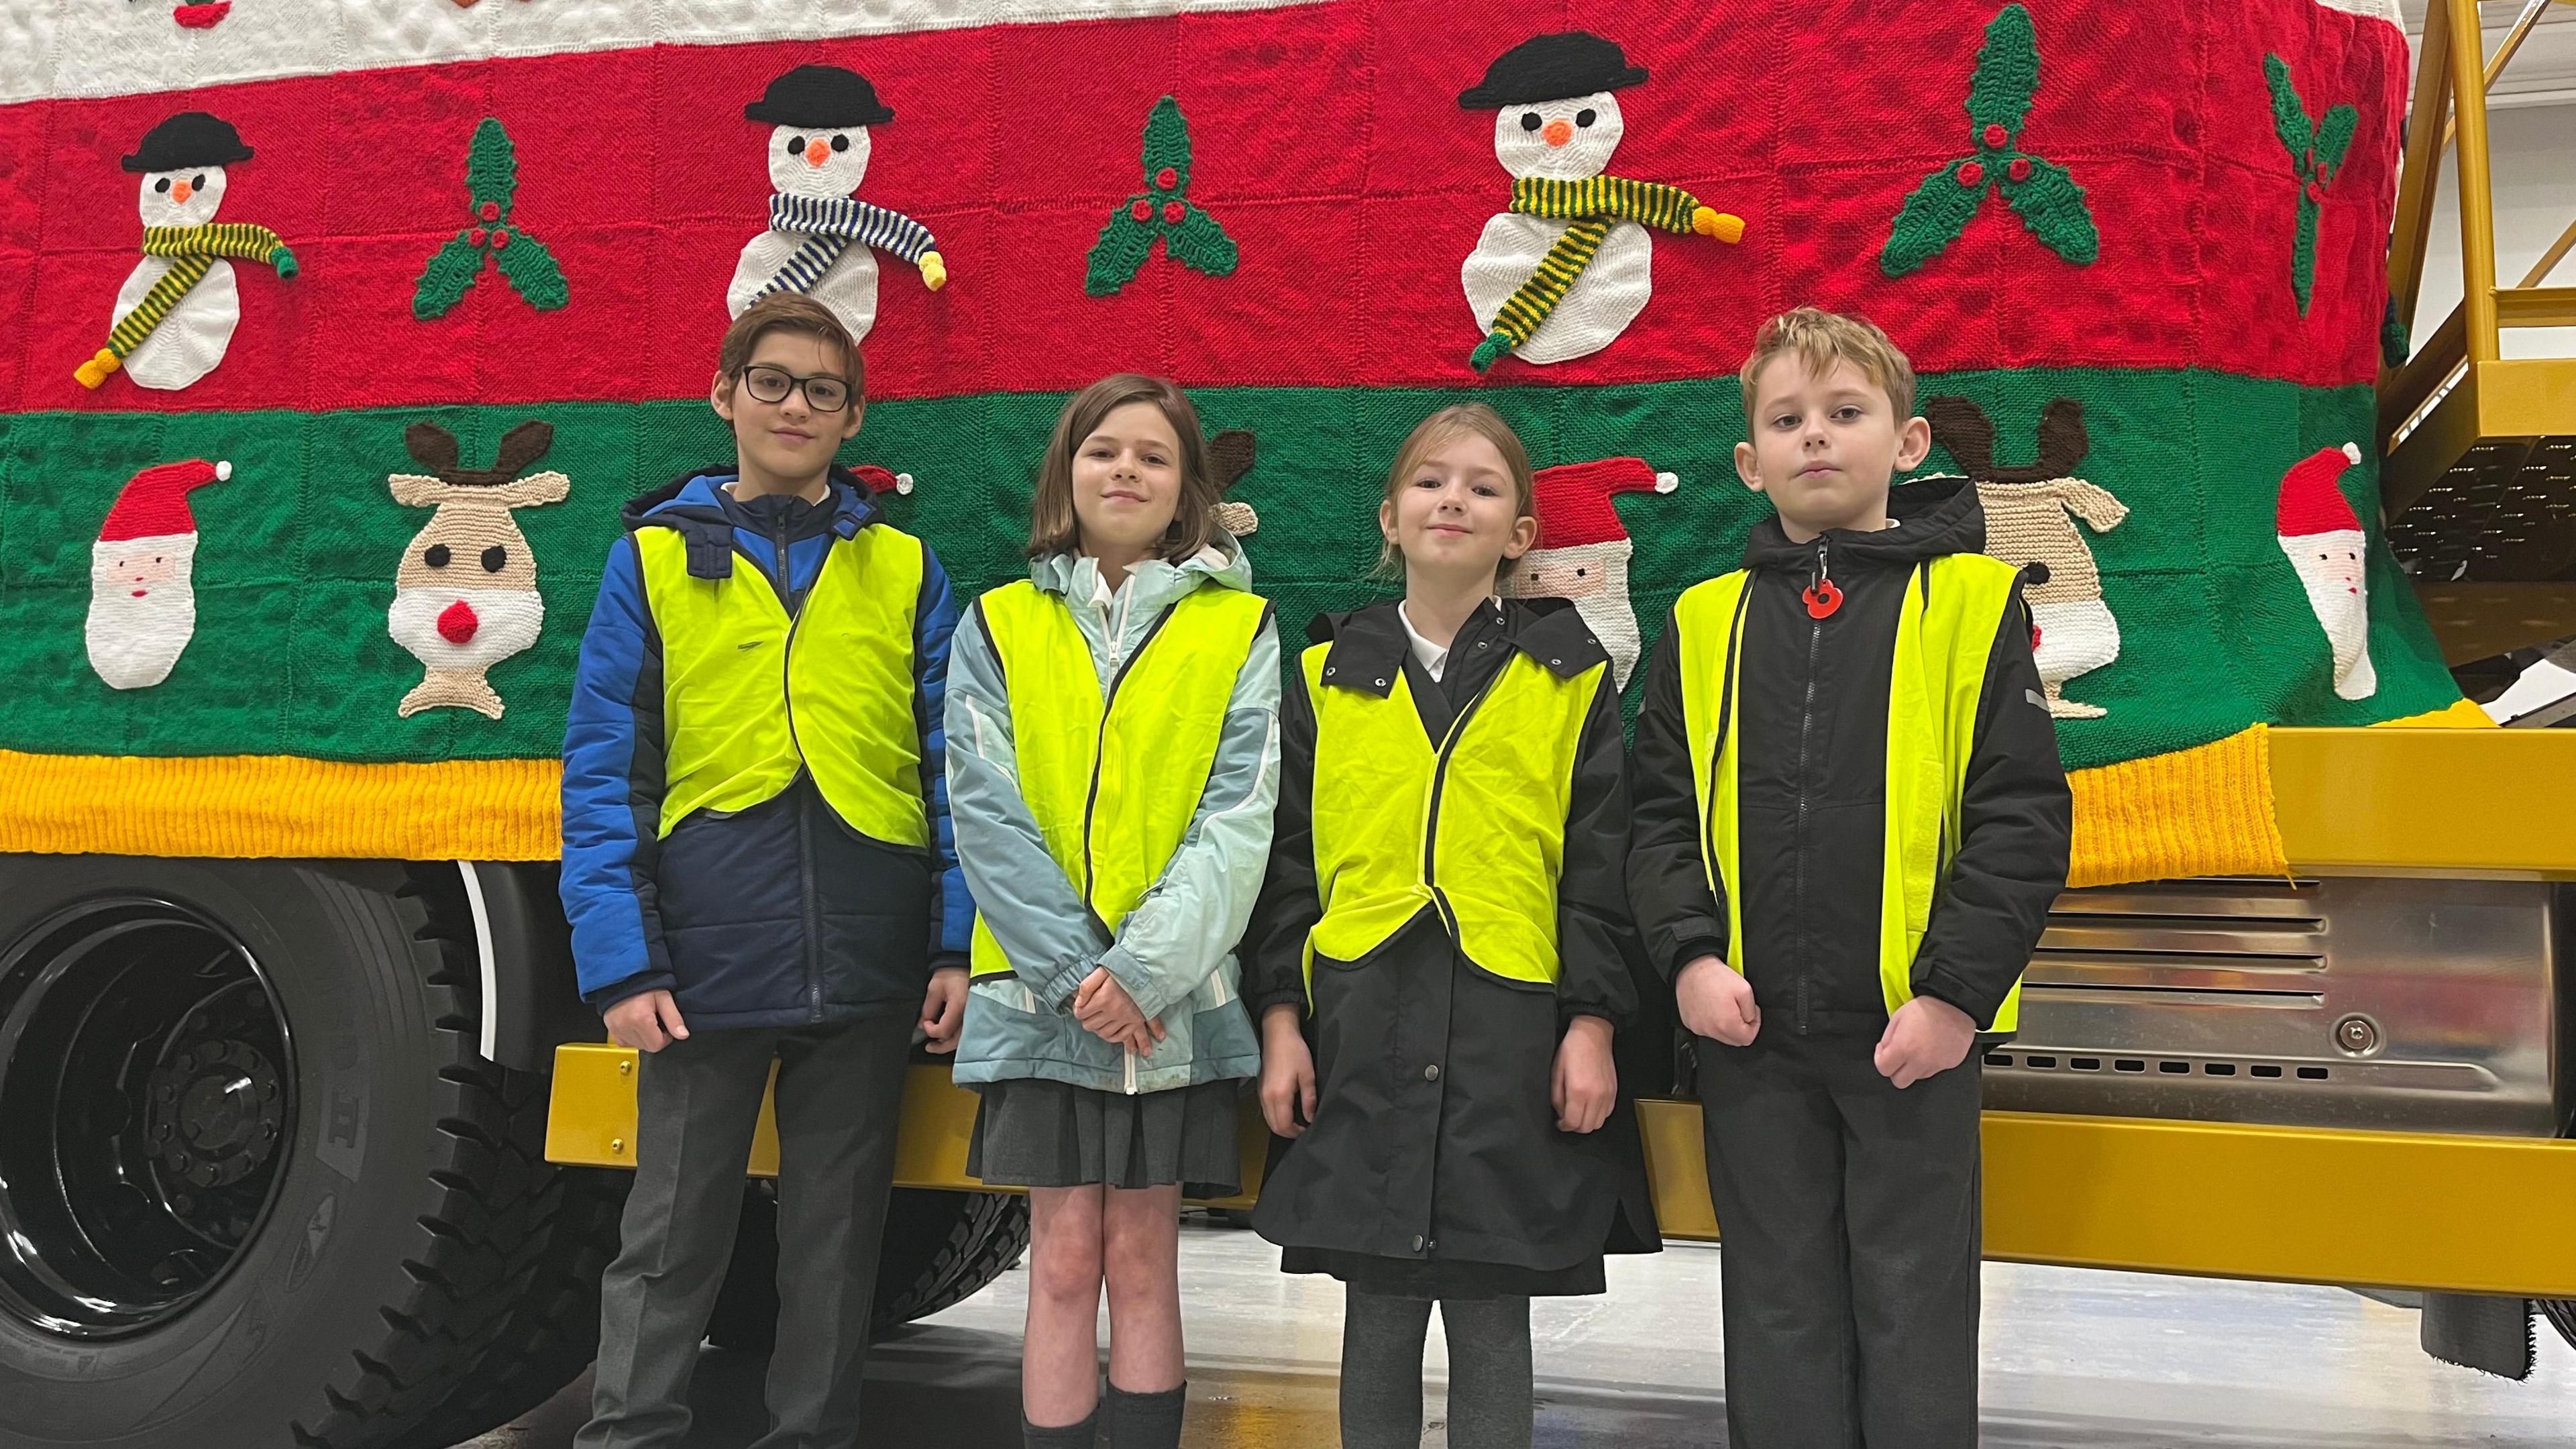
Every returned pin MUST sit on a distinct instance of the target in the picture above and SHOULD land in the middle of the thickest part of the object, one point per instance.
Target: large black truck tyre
(259, 1188)
(941, 1248)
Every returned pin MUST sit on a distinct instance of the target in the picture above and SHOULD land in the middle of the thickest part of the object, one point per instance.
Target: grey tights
(1489, 1371)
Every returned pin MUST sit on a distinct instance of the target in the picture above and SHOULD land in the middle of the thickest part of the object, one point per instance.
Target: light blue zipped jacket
(1175, 953)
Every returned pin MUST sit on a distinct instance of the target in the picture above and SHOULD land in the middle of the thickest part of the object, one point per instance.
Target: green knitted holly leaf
(443, 283)
(2394, 344)
(2007, 72)
(1119, 254)
(1199, 242)
(1932, 218)
(1167, 144)
(492, 166)
(531, 272)
(2289, 117)
(2334, 138)
(2303, 253)
(2052, 206)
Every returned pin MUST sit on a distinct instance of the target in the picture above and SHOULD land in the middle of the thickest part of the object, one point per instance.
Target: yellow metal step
(2390, 1209)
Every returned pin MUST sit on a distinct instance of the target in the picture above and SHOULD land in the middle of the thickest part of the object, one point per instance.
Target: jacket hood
(1933, 516)
(1156, 582)
(693, 505)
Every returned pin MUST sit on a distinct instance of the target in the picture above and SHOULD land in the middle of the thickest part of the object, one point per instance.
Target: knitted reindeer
(1229, 456)
(2027, 523)
(465, 597)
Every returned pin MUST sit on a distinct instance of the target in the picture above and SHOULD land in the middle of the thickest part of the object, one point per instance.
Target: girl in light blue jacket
(1113, 757)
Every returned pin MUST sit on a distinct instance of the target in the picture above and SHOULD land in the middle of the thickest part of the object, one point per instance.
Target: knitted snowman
(142, 599)
(1583, 550)
(2322, 537)
(176, 313)
(821, 241)
(1565, 270)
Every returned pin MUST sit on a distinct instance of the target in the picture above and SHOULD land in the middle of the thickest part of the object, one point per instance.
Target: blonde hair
(1819, 339)
(1435, 432)
(1053, 527)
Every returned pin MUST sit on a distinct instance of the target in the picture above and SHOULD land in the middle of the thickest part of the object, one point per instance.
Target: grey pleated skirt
(1036, 1133)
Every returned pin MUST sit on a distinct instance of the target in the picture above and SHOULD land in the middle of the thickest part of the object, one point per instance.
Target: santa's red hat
(2310, 501)
(879, 480)
(1574, 499)
(154, 503)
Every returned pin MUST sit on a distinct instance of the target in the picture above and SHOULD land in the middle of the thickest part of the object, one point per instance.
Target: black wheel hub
(151, 1084)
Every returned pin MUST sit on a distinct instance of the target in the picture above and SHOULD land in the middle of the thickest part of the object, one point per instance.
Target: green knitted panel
(297, 551)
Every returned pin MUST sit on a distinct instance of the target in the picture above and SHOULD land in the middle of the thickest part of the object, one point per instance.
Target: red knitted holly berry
(1143, 210)
(1166, 179)
(1994, 135)
(1971, 174)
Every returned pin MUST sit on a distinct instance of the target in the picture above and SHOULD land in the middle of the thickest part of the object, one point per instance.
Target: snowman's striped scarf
(1595, 204)
(828, 226)
(193, 250)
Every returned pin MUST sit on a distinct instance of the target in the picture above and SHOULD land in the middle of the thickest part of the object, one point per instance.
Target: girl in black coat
(1459, 1132)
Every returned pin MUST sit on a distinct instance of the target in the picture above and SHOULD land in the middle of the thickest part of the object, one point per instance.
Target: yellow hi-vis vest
(751, 696)
(1114, 777)
(1474, 828)
(1945, 631)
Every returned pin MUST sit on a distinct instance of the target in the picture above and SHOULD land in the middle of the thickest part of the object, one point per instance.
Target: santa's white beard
(1595, 577)
(2341, 602)
(506, 621)
(135, 641)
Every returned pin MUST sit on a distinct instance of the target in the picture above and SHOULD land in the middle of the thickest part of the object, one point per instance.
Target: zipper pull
(1822, 596)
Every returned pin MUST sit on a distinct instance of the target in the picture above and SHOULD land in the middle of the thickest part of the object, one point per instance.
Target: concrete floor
(2072, 1358)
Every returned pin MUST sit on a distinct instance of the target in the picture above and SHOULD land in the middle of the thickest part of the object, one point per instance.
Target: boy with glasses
(757, 865)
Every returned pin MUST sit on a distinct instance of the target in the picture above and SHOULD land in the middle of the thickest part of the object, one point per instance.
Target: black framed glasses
(772, 385)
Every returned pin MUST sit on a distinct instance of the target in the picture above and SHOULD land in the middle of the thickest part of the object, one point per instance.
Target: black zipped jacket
(1812, 799)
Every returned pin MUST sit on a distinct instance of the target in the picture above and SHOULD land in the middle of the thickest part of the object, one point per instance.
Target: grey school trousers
(1848, 1217)
(840, 1091)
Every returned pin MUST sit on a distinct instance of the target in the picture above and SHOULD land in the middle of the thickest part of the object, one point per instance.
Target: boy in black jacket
(1849, 823)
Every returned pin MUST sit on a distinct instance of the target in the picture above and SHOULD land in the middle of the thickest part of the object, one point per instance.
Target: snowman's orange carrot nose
(817, 151)
(181, 191)
(1558, 132)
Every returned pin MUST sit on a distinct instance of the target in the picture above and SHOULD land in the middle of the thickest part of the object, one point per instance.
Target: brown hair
(790, 312)
(1819, 339)
(1053, 526)
(1428, 437)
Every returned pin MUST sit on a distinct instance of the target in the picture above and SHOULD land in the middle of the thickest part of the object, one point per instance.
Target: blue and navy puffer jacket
(778, 915)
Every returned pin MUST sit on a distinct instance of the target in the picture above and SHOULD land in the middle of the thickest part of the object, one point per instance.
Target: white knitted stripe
(111, 48)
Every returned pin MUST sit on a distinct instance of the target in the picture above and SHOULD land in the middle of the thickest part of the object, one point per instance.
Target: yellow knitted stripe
(2204, 811)
(2459, 714)
(281, 805)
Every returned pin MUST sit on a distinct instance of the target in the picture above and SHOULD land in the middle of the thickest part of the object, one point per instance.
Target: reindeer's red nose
(457, 623)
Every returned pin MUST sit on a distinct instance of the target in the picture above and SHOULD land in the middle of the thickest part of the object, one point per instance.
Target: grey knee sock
(1146, 1421)
(1382, 1370)
(1489, 1372)
(1069, 1436)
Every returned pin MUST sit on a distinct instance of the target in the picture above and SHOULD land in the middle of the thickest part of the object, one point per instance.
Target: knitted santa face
(826, 164)
(2322, 538)
(1583, 549)
(1564, 140)
(186, 197)
(143, 602)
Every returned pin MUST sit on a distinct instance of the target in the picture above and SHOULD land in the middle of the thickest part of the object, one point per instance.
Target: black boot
(1146, 1421)
(1070, 1436)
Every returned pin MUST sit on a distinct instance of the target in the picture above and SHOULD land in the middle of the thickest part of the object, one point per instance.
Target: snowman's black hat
(190, 138)
(1552, 68)
(819, 95)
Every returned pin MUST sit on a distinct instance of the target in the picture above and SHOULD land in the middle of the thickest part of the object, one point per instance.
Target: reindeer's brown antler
(431, 446)
(521, 446)
(2063, 440)
(1230, 455)
(1961, 426)
(435, 449)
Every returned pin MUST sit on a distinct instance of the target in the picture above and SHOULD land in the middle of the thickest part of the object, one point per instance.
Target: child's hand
(1587, 1080)
(943, 1011)
(1717, 1001)
(1106, 1011)
(1925, 1038)
(647, 1021)
(1287, 1073)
